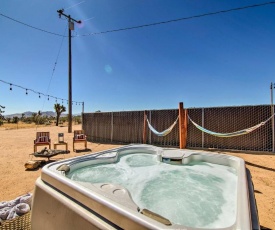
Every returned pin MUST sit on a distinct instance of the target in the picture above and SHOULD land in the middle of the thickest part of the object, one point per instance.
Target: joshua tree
(15, 120)
(34, 117)
(1, 116)
(22, 116)
(59, 109)
(37, 118)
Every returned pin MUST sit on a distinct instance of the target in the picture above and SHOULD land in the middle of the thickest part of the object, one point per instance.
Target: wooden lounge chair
(79, 137)
(42, 139)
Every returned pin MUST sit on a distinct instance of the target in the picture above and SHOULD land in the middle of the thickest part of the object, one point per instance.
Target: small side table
(61, 143)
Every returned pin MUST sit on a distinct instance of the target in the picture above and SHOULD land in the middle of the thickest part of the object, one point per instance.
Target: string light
(39, 93)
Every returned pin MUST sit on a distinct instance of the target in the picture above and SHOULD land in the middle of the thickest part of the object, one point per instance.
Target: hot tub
(145, 187)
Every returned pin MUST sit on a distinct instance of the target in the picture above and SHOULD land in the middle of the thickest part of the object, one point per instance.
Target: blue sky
(221, 60)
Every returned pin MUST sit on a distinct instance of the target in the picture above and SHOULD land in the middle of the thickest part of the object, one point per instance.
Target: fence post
(144, 127)
(185, 128)
(112, 126)
(182, 126)
(150, 133)
(202, 133)
(272, 114)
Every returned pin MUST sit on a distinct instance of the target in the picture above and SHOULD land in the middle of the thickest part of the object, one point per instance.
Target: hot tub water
(199, 194)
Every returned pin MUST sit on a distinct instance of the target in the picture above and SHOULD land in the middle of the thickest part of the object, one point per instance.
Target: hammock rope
(233, 134)
(164, 132)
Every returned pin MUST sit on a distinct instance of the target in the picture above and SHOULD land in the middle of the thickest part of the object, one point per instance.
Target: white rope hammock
(233, 134)
(163, 133)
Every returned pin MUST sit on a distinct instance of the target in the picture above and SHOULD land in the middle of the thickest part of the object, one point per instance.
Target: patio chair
(79, 137)
(42, 139)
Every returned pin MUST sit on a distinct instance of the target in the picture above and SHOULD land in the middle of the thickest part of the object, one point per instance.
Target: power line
(36, 92)
(25, 24)
(54, 66)
(179, 19)
(74, 5)
(145, 25)
(57, 58)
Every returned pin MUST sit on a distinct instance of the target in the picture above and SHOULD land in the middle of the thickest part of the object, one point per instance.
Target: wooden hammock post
(145, 126)
(182, 126)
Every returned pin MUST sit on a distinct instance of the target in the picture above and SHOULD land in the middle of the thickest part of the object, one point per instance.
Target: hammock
(163, 133)
(233, 134)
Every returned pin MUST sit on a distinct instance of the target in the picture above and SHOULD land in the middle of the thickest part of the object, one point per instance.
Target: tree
(22, 116)
(77, 119)
(37, 118)
(34, 117)
(1, 116)
(15, 120)
(59, 109)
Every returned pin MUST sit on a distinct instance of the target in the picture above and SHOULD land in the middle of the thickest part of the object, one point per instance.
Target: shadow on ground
(265, 228)
(82, 150)
(260, 166)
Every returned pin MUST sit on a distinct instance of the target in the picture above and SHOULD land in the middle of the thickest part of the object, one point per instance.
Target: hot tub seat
(113, 192)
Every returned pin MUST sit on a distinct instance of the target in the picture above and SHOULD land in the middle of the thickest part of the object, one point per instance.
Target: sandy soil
(15, 180)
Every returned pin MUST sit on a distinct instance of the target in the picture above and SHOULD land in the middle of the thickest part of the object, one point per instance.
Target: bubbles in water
(189, 197)
(200, 194)
(140, 160)
(98, 174)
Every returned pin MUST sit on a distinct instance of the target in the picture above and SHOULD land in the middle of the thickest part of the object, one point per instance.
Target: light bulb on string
(39, 95)
(10, 86)
(26, 92)
(48, 98)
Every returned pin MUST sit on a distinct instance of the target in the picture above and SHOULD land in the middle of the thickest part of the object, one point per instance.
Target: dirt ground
(16, 146)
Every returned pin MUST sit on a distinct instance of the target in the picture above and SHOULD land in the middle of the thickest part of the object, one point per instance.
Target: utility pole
(71, 27)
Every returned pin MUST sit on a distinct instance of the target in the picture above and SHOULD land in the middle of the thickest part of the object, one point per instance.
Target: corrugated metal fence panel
(162, 120)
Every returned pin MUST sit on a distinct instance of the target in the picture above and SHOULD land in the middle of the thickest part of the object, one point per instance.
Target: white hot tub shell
(61, 203)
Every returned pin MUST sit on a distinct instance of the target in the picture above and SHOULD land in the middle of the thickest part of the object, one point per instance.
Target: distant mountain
(29, 114)
(46, 113)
